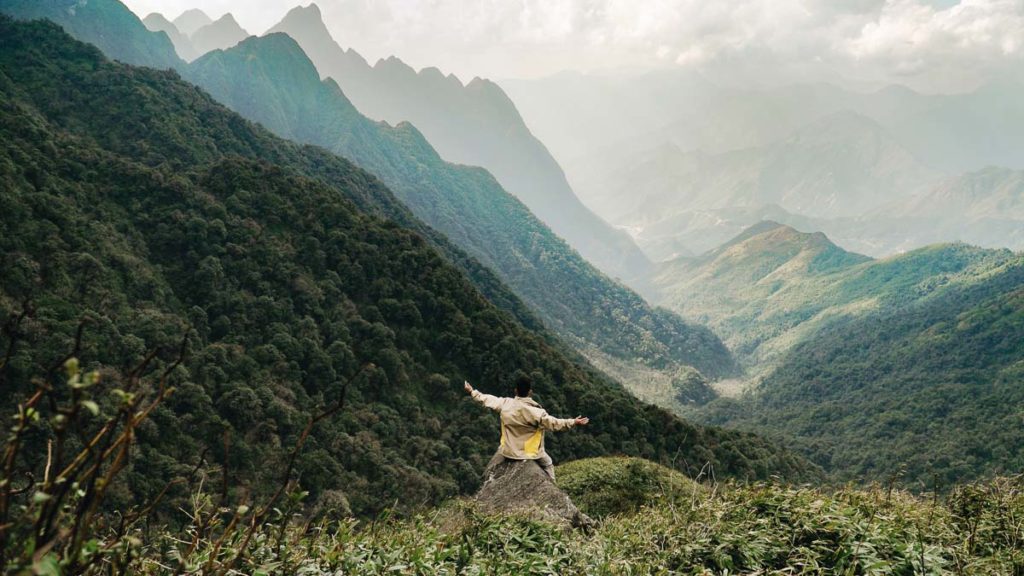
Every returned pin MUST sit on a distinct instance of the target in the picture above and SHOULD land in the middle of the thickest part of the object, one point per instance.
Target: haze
(937, 46)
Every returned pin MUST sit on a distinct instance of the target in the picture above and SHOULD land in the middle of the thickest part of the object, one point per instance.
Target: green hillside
(271, 80)
(907, 367)
(108, 24)
(930, 391)
(772, 287)
(135, 202)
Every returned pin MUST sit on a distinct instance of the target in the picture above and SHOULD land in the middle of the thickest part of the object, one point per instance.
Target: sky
(929, 45)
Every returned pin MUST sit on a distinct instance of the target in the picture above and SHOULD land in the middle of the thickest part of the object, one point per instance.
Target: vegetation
(908, 367)
(285, 291)
(107, 23)
(929, 393)
(652, 521)
(271, 80)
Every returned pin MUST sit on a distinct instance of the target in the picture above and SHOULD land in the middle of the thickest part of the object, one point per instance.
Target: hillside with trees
(270, 80)
(142, 210)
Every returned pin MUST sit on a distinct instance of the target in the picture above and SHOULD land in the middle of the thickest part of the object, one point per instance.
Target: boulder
(521, 487)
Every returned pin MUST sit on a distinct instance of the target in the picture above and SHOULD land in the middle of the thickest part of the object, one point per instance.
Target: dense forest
(136, 204)
(907, 367)
(270, 80)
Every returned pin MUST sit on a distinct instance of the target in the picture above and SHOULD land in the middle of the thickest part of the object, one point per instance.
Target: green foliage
(131, 42)
(271, 81)
(286, 289)
(617, 485)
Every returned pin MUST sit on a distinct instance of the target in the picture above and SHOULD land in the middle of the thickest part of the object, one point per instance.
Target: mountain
(474, 124)
(108, 24)
(839, 166)
(868, 367)
(218, 35)
(192, 20)
(182, 45)
(271, 80)
(927, 392)
(137, 203)
(601, 127)
(765, 289)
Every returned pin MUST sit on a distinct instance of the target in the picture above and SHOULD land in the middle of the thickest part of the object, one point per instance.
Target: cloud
(921, 42)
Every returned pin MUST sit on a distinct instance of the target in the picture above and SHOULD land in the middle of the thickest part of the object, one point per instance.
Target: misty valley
(267, 307)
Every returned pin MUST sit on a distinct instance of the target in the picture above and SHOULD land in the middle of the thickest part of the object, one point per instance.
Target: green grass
(670, 525)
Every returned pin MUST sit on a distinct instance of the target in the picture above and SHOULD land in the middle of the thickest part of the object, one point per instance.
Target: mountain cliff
(108, 24)
(222, 33)
(182, 45)
(475, 124)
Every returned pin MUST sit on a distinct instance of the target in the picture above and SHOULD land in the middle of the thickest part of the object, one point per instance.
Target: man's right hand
(467, 387)
(581, 420)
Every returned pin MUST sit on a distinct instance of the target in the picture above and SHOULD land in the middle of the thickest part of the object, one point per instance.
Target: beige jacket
(523, 423)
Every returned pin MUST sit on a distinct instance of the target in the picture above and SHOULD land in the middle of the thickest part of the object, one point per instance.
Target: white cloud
(923, 43)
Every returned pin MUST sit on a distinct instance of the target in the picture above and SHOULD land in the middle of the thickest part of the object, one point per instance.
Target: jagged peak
(228, 19)
(304, 14)
(394, 65)
(158, 18)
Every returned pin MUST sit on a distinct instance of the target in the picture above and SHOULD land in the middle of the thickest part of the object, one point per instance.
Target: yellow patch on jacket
(532, 446)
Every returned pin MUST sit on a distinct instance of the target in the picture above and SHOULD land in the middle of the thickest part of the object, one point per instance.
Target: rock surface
(521, 487)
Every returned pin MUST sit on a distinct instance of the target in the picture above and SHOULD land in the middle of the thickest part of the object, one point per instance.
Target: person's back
(523, 423)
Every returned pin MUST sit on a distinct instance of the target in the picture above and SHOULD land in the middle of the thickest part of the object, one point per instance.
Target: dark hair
(523, 385)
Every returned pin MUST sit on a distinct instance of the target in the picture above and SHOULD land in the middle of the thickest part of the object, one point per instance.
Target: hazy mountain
(182, 45)
(192, 20)
(218, 35)
(474, 124)
(271, 80)
(651, 119)
(177, 216)
(842, 165)
(108, 24)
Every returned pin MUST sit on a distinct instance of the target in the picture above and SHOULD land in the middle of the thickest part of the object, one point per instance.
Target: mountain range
(908, 366)
(271, 80)
(193, 33)
(474, 124)
(136, 202)
(667, 133)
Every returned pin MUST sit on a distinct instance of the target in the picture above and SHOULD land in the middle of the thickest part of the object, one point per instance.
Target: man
(523, 423)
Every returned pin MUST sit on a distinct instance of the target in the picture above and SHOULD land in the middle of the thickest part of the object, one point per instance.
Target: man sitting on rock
(523, 423)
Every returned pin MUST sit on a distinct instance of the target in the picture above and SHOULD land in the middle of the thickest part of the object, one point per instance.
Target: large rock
(521, 487)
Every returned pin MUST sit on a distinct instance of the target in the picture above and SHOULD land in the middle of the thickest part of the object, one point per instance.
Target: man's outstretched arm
(549, 422)
(492, 402)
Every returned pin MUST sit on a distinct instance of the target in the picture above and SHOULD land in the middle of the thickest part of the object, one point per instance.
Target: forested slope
(122, 209)
(271, 80)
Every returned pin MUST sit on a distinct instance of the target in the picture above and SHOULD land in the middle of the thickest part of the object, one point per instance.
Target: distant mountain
(763, 290)
(474, 124)
(192, 20)
(842, 165)
(182, 45)
(137, 205)
(218, 35)
(869, 367)
(601, 127)
(271, 80)
(923, 386)
(108, 24)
